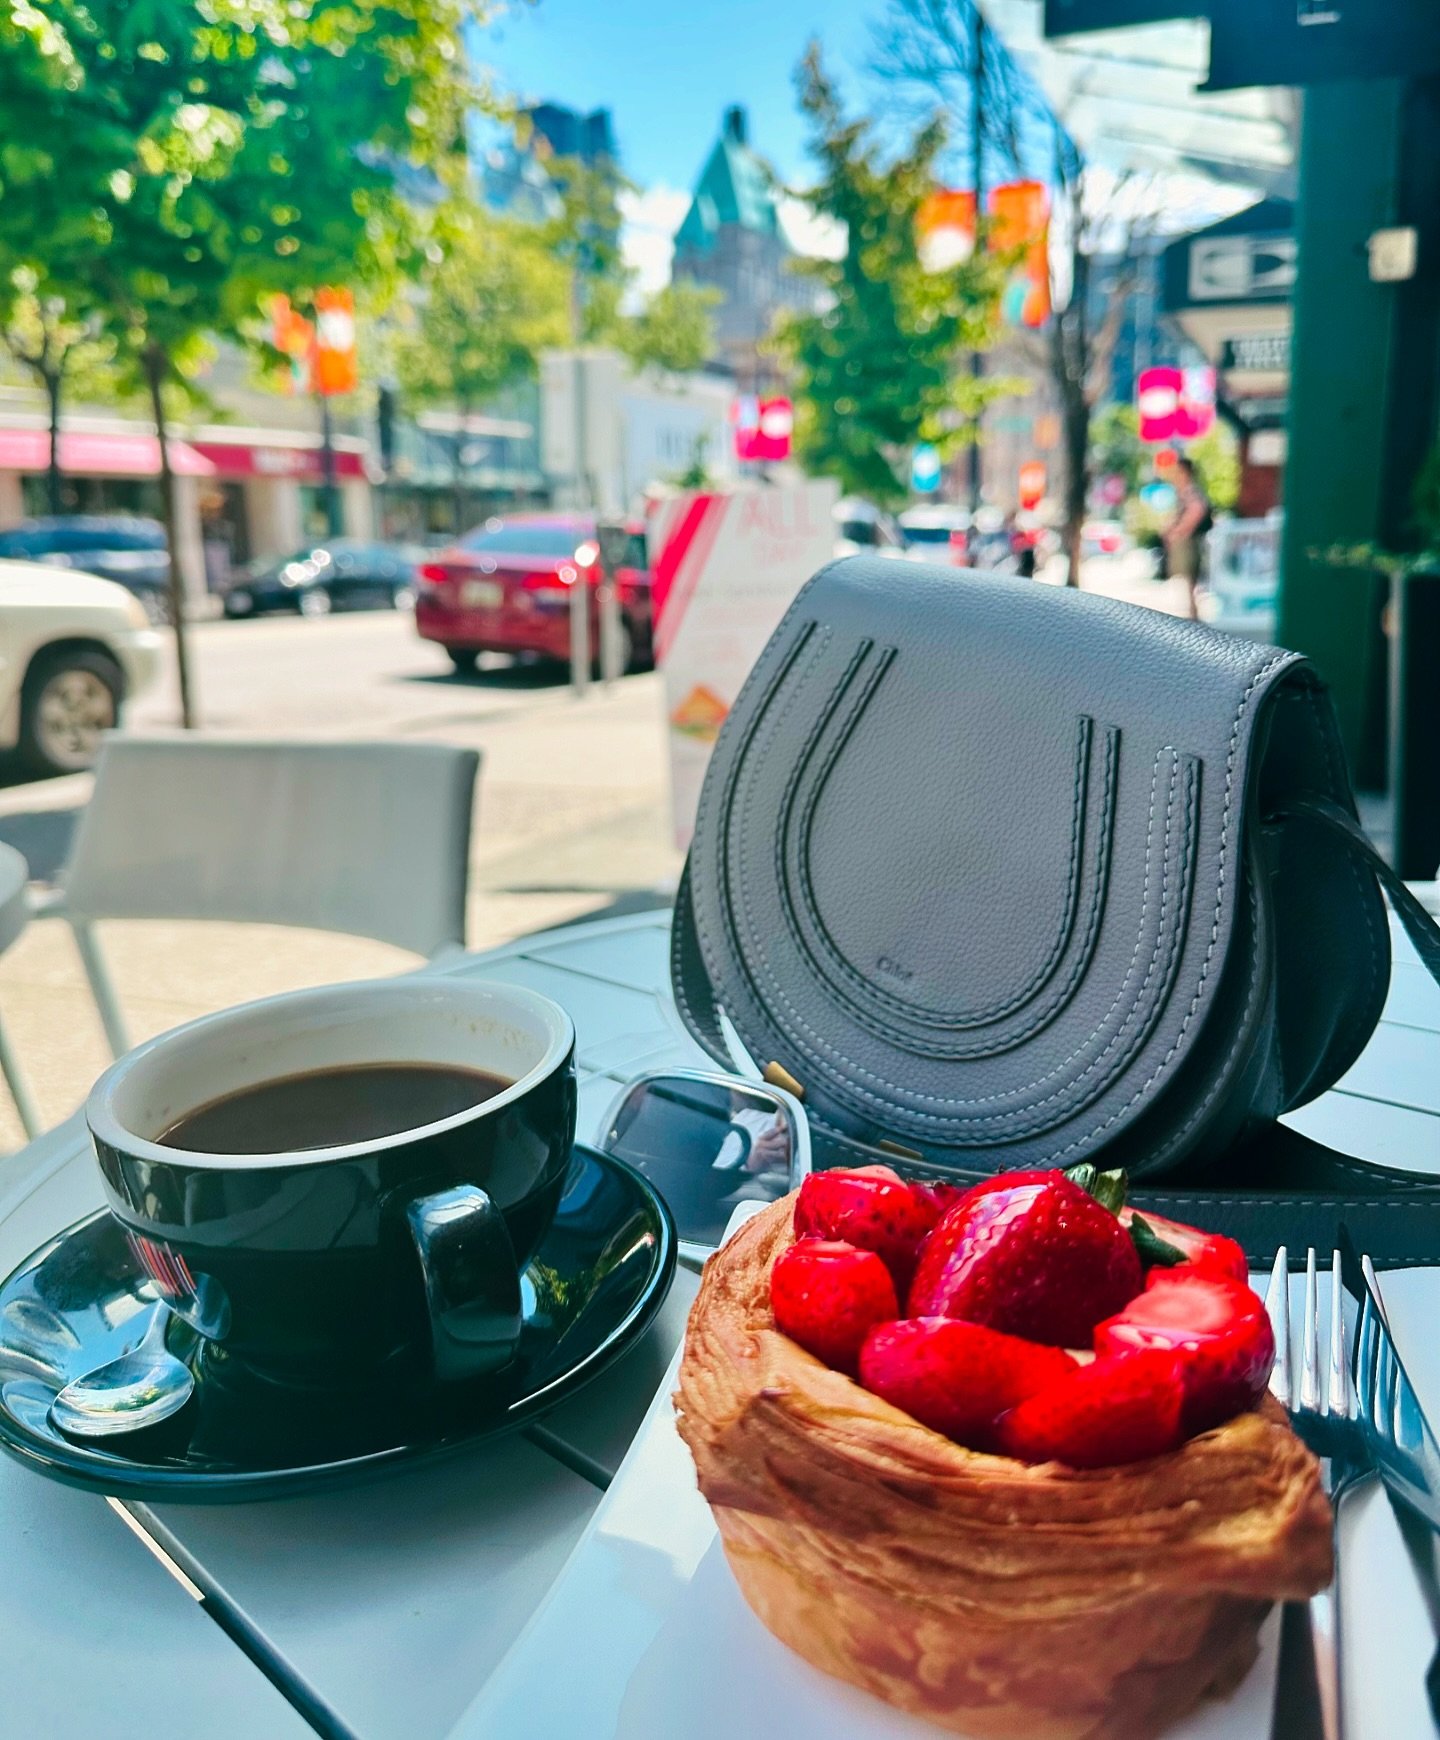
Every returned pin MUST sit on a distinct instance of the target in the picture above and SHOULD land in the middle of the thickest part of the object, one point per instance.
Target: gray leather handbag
(1009, 875)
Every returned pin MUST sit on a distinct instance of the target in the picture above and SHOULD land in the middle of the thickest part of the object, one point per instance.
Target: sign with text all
(726, 567)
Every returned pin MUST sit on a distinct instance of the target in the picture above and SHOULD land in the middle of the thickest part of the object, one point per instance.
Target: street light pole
(977, 152)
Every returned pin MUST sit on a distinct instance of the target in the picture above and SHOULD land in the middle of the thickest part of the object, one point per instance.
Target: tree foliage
(1216, 455)
(1116, 449)
(176, 160)
(673, 331)
(877, 367)
(493, 297)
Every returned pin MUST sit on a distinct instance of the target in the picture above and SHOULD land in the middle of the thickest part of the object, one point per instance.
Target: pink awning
(82, 455)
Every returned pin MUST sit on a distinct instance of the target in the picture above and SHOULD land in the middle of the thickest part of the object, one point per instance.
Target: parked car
(73, 650)
(505, 587)
(862, 529)
(120, 547)
(939, 533)
(344, 574)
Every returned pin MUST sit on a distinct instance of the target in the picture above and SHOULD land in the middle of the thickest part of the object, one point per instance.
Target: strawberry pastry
(1003, 1456)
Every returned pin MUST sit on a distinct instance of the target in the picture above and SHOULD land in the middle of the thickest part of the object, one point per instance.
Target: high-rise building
(732, 240)
(514, 170)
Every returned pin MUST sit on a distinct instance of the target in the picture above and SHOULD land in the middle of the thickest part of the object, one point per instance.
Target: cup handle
(472, 1280)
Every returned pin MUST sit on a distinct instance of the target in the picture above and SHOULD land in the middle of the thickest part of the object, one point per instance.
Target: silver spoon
(138, 1389)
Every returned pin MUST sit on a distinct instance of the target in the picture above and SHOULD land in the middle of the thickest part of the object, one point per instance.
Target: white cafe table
(383, 1611)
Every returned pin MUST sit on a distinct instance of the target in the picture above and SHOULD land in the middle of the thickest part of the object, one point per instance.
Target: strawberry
(828, 1296)
(956, 1377)
(1167, 1243)
(1029, 1253)
(872, 1208)
(1215, 1326)
(1115, 1410)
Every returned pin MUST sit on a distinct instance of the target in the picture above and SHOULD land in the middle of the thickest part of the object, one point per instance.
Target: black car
(344, 574)
(121, 547)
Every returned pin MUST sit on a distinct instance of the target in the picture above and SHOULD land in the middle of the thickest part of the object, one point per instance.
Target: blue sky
(666, 69)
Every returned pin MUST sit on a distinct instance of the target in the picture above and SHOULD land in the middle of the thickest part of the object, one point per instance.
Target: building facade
(731, 240)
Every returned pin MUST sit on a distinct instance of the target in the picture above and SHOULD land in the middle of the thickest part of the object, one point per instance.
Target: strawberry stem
(1108, 1188)
(1153, 1251)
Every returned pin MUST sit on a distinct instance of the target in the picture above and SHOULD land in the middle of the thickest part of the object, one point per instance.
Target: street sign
(763, 428)
(1242, 268)
(1175, 404)
(1257, 353)
(925, 470)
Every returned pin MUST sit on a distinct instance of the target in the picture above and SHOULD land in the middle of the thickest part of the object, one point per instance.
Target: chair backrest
(371, 839)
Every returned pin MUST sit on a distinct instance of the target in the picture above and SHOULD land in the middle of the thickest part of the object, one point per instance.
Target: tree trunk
(157, 367)
(1075, 424)
(54, 380)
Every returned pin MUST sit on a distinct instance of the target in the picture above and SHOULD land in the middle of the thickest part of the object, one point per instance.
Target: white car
(73, 649)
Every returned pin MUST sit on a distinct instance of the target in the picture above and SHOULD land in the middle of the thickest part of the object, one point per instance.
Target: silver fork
(1323, 1412)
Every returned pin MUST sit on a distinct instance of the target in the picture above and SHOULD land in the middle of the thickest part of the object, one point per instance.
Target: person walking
(1185, 535)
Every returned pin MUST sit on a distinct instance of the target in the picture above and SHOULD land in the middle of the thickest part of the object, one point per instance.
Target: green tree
(1116, 449)
(208, 152)
(674, 330)
(877, 369)
(494, 296)
(63, 352)
(1217, 458)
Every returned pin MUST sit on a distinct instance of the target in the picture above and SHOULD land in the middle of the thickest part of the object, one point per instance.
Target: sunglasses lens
(706, 1145)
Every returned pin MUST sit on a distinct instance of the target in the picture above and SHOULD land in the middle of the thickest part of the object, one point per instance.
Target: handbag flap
(967, 855)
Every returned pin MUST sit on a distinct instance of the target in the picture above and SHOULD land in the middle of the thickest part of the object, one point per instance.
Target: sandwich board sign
(725, 567)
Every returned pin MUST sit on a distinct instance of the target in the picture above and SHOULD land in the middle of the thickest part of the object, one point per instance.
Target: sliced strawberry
(1115, 1410)
(1217, 1328)
(828, 1296)
(956, 1378)
(1029, 1253)
(1166, 1243)
(872, 1208)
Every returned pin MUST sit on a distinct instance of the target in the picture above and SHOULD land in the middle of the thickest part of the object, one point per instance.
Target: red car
(505, 587)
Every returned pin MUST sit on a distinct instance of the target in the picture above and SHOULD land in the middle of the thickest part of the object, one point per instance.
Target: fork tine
(1277, 1308)
(1368, 1269)
(1339, 1397)
(1310, 1344)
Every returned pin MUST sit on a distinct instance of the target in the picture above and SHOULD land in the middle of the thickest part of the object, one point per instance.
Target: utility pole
(977, 154)
(334, 523)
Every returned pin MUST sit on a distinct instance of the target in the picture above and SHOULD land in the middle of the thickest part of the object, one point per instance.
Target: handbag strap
(1297, 1192)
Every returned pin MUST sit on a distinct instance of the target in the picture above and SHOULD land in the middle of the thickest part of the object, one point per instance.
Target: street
(366, 671)
(571, 820)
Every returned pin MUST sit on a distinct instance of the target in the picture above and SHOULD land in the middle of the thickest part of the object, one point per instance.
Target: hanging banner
(945, 229)
(1020, 218)
(336, 367)
(725, 568)
(293, 335)
(763, 428)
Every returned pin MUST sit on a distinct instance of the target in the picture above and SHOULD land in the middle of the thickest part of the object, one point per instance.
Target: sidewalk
(571, 816)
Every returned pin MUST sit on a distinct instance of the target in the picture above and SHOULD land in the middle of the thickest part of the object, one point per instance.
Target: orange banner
(336, 368)
(945, 229)
(1020, 218)
(293, 335)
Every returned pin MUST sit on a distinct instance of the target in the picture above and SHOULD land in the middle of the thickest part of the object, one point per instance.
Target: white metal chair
(368, 839)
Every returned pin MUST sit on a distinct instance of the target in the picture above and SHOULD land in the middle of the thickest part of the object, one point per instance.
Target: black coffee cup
(395, 1258)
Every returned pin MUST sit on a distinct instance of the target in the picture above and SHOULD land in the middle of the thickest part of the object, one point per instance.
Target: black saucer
(599, 1277)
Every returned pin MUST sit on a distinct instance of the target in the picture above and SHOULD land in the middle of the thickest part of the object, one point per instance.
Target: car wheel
(403, 598)
(239, 604)
(69, 700)
(464, 658)
(315, 602)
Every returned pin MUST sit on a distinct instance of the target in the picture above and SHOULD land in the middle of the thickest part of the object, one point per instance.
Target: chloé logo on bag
(893, 970)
